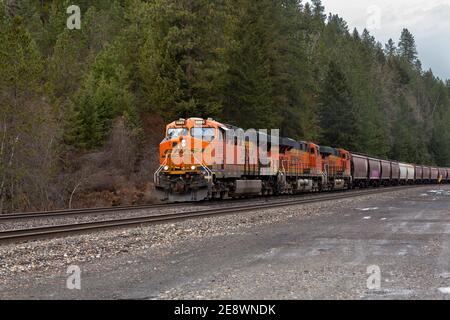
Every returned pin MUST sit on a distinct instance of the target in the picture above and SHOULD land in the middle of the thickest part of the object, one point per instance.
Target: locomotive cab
(336, 164)
(183, 148)
(184, 173)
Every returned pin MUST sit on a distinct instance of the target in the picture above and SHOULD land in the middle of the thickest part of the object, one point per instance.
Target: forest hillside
(82, 110)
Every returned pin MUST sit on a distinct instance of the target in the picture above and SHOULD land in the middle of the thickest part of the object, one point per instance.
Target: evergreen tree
(355, 35)
(180, 64)
(390, 48)
(407, 46)
(318, 10)
(20, 62)
(27, 154)
(104, 96)
(367, 39)
(298, 118)
(252, 57)
(338, 114)
(440, 138)
(405, 145)
(68, 64)
(85, 129)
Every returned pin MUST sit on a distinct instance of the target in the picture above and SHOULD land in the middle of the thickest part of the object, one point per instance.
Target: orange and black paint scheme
(187, 172)
(337, 165)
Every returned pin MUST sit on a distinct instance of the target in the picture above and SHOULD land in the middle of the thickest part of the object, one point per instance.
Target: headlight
(166, 168)
(183, 143)
(193, 167)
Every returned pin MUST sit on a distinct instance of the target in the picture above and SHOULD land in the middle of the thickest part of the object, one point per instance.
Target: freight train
(203, 159)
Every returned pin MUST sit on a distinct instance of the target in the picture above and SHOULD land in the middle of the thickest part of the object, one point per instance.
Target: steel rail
(85, 211)
(16, 235)
(106, 210)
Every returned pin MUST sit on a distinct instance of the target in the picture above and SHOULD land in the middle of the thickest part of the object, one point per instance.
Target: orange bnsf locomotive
(205, 159)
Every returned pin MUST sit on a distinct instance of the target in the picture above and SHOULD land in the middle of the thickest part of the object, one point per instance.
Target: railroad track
(18, 235)
(87, 211)
(106, 210)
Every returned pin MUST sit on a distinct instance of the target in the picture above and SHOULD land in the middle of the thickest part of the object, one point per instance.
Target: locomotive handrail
(208, 170)
(157, 172)
(282, 166)
(189, 153)
(193, 154)
(209, 173)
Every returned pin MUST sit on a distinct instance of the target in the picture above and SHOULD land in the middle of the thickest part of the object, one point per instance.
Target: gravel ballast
(36, 259)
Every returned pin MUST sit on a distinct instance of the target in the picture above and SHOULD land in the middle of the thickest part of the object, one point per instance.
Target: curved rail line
(67, 229)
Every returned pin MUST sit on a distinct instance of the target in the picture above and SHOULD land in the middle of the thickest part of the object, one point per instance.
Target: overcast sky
(429, 22)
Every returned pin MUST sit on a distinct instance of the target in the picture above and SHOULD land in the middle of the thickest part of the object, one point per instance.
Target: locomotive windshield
(176, 132)
(206, 134)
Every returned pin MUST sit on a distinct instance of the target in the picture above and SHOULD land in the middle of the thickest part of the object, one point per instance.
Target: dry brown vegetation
(121, 173)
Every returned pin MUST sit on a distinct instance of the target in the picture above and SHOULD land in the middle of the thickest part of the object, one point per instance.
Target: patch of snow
(401, 292)
(369, 209)
(445, 290)
(403, 253)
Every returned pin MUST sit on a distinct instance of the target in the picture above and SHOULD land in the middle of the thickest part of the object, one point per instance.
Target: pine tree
(367, 39)
(390, 48)
(407, 46)
(252, 57)
(68, 64)
(27, 153)
(318, 10)
(180, 65)
(72, 126)
(54, 18)
(440, 138)
(338, 114)
(86, 125)
(20, 61)
(355, 35)
(104, 96)
(447, 85)
(298, 119)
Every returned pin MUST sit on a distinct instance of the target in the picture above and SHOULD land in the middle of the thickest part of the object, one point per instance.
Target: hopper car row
(186, 172)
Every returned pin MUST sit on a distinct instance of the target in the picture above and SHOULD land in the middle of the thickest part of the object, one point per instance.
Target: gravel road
(310, 251)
